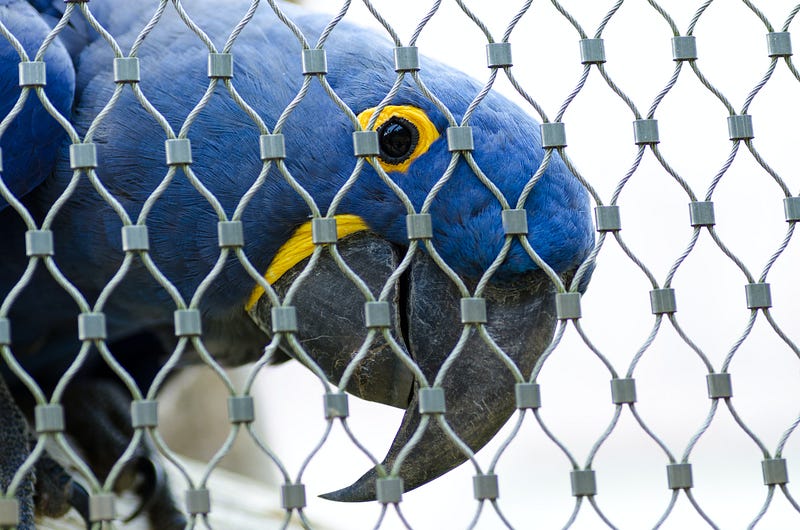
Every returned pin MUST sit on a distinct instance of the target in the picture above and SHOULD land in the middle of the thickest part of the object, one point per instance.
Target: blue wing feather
(31, 143)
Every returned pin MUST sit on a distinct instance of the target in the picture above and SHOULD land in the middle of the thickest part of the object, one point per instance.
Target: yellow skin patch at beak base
(298, 248)
(416, 116)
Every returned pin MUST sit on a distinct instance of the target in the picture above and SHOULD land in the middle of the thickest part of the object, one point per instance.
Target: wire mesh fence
(200, 182)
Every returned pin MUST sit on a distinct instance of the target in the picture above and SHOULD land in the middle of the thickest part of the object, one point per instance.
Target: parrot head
(464, 193)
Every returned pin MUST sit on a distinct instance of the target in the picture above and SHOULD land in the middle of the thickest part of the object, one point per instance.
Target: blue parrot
(466, 231)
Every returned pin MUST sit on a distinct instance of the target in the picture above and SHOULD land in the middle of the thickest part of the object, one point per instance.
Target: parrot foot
(49, 490)
(104, 434)
(55, 492)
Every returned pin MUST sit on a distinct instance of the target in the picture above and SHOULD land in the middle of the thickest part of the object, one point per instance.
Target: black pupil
(397, 138)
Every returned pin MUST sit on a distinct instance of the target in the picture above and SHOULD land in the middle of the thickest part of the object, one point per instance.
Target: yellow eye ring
(405, 133)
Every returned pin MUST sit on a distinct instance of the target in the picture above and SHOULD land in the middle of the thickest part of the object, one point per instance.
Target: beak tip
(333, 496)
(330, 496)
(360, 491)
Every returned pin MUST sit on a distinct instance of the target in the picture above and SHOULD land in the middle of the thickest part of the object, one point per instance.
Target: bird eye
(397, 139)
(404, 134)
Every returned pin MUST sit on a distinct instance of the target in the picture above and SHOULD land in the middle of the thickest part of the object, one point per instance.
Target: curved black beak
(331, 325)
(478, 385)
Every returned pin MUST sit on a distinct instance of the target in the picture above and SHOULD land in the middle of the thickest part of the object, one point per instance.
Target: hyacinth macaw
(182, 225)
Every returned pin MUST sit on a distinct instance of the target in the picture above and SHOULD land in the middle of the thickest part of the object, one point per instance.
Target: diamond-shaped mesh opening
(188, 216)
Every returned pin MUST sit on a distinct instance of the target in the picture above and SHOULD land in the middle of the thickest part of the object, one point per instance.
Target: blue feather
(31, 142)
(183, 232)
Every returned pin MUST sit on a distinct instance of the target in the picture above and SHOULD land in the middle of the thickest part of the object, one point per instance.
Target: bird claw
(79, 499)
(152, 490)
(155, 498)
(151, 483)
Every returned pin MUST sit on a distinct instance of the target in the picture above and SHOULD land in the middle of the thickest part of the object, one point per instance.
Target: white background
(672, 396)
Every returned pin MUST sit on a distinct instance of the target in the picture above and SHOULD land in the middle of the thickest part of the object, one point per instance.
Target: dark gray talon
(151, 482)
(152, 488)
(79, 499)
